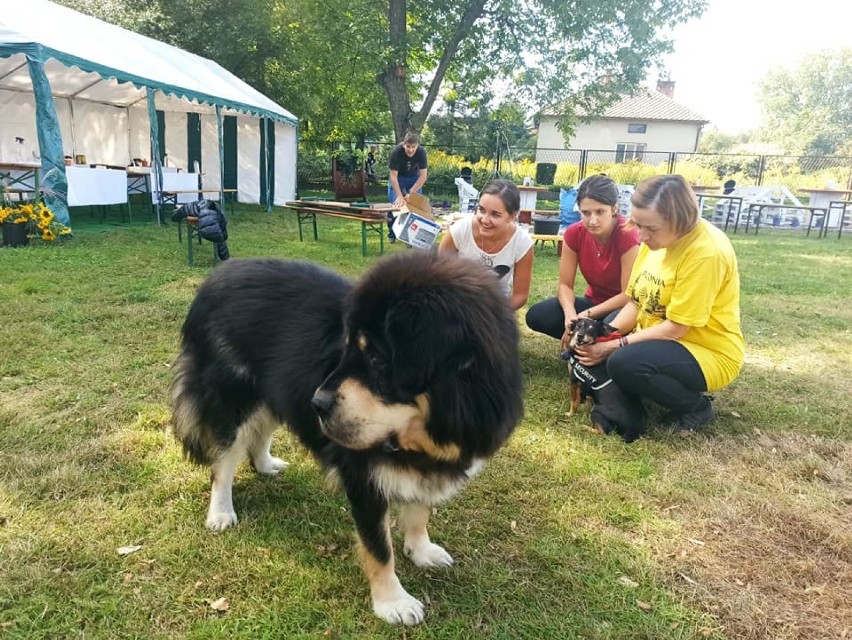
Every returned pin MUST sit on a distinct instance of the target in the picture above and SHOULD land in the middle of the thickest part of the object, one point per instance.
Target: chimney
(666, 87)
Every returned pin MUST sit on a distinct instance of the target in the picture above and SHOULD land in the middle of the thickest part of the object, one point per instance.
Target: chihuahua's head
(587, 331)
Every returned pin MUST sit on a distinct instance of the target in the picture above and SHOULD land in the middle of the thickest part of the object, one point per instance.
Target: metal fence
(573, 165)
(747, 170)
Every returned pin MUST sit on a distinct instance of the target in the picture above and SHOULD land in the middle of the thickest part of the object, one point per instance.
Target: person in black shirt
(408, 170)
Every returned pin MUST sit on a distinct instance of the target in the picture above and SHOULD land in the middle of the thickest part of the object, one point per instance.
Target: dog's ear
(607, 328)
(572, 324)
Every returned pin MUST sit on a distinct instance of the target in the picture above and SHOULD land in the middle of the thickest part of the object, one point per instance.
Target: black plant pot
(15, 235)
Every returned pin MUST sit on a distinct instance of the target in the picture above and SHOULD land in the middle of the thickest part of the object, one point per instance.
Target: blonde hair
(671, 197)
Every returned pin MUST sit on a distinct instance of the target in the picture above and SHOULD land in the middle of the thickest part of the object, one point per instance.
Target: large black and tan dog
(402, 385)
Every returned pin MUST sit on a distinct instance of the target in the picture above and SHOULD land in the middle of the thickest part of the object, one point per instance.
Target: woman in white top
(491, 237)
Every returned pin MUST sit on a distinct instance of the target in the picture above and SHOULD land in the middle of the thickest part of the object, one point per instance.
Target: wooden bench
(836, 204)
(192, 234)
(370, 221)
(760, 206)
(556, 239)
(24, 195)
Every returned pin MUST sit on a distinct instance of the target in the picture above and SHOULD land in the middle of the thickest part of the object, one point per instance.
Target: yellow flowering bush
(42, 223)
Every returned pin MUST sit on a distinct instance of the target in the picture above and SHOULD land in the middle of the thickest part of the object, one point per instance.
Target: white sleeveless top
(503, 262)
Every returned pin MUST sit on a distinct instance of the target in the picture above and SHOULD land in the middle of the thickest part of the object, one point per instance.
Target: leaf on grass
(645, 606)
(221, 605)
(513, 525)
(627, 582)
(124, 551)
(687, 578)
(700, 543)
(706, 631)
(735, 414)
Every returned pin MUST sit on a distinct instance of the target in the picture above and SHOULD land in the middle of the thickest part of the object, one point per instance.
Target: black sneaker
(391, 240)
(600, 422)
(695, 420)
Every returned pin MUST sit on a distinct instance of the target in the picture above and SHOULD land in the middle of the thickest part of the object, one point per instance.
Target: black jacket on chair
(212, 223)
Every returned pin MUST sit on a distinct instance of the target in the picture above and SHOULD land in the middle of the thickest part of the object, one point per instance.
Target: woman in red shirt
(603, 249)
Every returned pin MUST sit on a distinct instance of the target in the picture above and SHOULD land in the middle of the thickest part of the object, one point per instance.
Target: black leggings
(661, 370)
(547, 316)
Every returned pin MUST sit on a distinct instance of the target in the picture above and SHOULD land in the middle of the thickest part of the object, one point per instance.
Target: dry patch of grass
(767, 550)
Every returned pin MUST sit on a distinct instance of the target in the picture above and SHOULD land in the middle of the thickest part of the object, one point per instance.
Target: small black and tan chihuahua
(584, 331)
(613, 410)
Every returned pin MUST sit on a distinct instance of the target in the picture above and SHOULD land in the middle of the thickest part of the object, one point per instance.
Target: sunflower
(38, 216)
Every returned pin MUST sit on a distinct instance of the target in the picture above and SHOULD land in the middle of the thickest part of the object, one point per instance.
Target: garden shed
(73, 85)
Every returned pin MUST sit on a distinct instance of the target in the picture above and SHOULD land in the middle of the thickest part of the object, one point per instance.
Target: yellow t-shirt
(695, 282)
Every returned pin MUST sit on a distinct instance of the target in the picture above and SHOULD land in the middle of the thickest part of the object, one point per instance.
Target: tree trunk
(394, 77)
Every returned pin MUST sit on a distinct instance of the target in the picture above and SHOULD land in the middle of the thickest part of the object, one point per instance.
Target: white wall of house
(606, 134)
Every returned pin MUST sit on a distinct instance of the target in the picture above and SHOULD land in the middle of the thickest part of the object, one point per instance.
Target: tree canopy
(360, 68)
(808, 109)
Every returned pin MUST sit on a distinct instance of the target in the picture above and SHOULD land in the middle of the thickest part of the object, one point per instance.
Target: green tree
(719, 142)
(552, 51)
(808, 109)
(471, 128)
(355, 68)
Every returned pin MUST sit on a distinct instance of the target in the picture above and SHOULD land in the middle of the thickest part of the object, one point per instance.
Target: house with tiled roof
(644, 122)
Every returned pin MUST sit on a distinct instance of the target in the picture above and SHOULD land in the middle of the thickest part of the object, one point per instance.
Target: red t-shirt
(600, 264)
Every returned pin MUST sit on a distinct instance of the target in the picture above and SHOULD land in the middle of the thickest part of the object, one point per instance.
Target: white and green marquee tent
(78, 85)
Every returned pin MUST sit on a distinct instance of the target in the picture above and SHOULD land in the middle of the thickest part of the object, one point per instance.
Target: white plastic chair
(468, 196)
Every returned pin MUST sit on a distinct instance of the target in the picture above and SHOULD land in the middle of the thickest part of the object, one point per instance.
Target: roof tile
(645, 104)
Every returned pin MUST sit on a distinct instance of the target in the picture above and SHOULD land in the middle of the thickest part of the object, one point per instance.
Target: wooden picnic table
(372, 218)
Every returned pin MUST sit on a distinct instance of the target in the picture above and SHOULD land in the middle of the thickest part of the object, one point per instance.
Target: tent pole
(156, 165)
(73, 129)
(221, 134)
(54, 182)
(269, 174)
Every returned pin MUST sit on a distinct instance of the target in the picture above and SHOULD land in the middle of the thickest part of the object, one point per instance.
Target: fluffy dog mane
(451, 318)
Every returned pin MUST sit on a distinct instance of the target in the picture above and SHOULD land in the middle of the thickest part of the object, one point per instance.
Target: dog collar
(615, 335)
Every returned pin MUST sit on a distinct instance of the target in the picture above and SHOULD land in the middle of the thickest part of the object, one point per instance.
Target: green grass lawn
(742, 531)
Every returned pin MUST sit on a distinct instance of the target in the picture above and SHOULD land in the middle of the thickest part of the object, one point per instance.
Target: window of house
(626, 151)
(637, 128)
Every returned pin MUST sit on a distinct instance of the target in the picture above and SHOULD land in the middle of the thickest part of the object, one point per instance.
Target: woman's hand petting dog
(565, 343)
(592, 354)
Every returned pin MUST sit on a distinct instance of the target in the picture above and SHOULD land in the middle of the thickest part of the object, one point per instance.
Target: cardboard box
(415, 230)
(420, 205)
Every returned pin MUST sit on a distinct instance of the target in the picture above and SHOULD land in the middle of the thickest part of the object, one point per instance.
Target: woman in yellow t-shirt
(684, 314)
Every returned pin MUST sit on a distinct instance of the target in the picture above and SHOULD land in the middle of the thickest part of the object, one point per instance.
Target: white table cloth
(87, 186)
(176, 181)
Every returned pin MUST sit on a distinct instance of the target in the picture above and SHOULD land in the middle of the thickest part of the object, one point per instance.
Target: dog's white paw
(269, 466)
(429, 555)
(221, 520)
(402, 609)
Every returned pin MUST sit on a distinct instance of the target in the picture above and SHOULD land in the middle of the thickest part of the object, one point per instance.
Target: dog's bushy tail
(197, 441)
